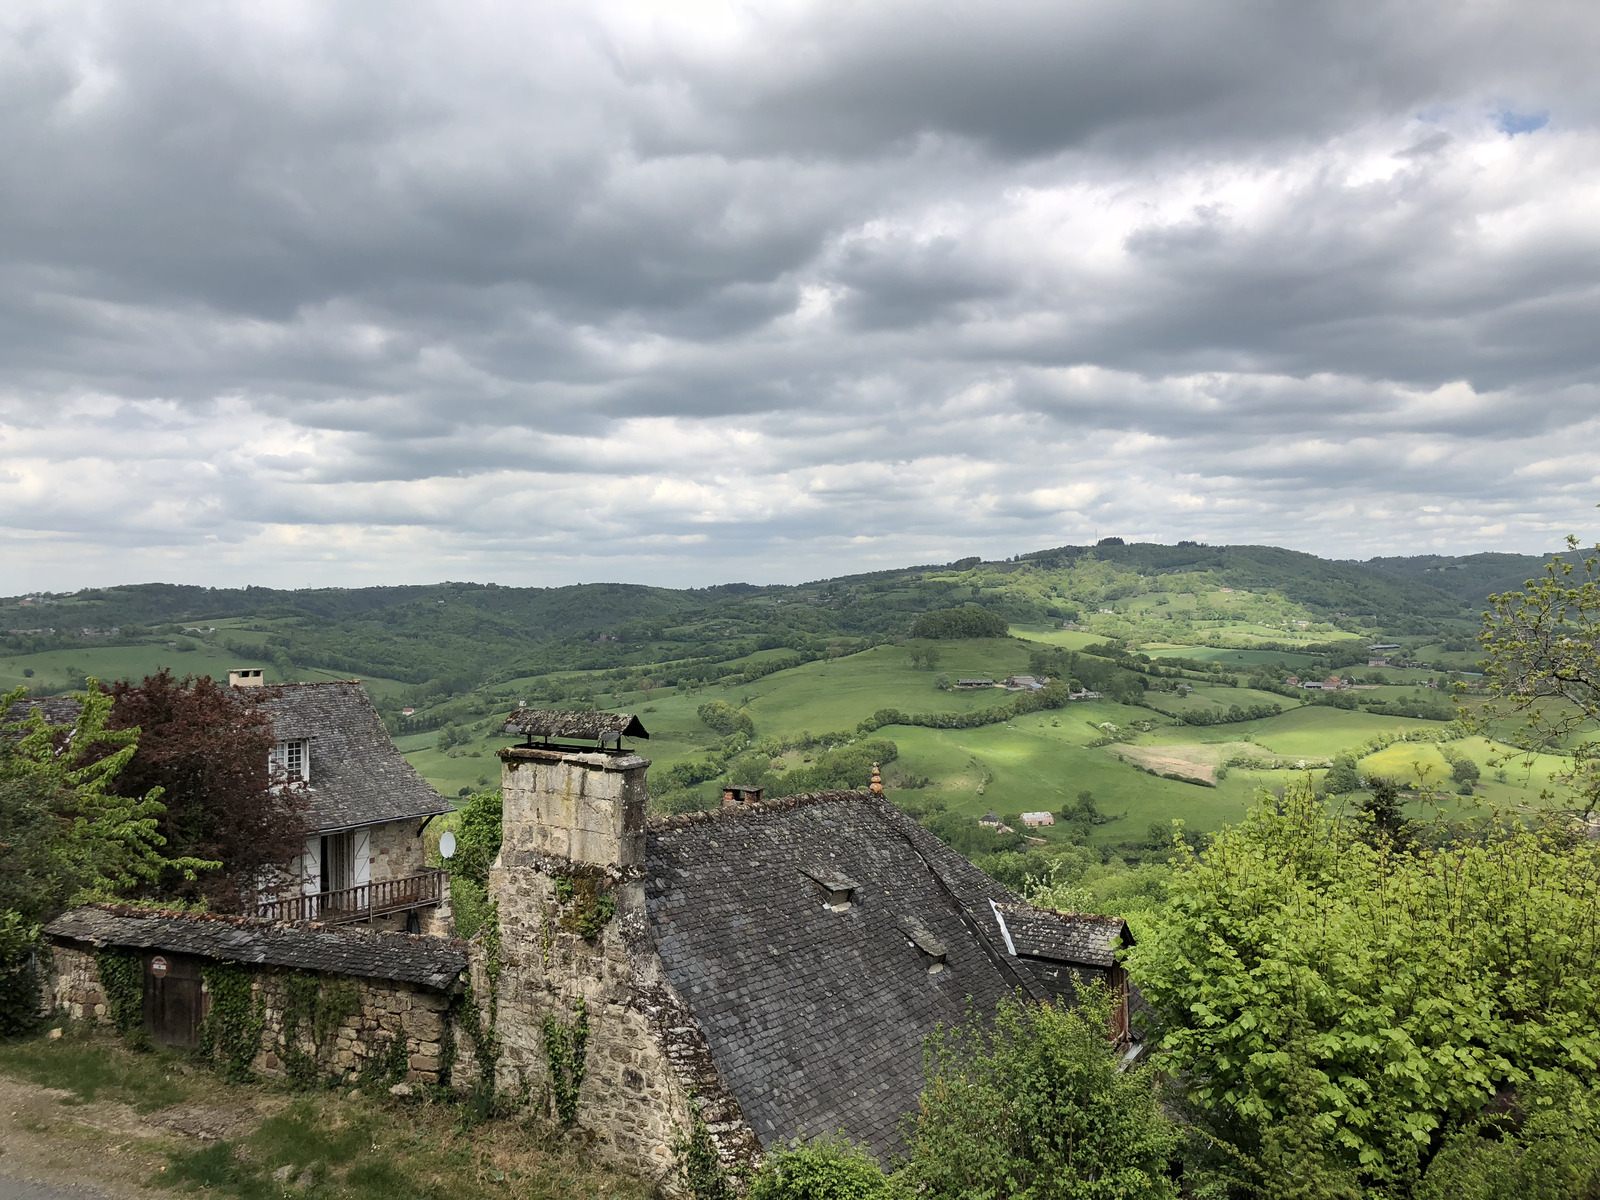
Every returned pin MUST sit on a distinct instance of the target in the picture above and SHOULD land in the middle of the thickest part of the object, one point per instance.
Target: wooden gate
(173, 1005)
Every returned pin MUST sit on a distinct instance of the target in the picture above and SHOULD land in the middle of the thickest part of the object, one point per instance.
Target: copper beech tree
(207, 746)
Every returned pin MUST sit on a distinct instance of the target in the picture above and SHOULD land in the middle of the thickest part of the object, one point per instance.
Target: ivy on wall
(122, 981)
(587, 903)
(232, 1029)
(566, 1048)
(310, 1000)
(699, 1164)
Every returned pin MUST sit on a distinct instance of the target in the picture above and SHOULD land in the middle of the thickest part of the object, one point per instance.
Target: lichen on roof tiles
(406, 958)
(358, 777)
(816, 1018)
(586, 726)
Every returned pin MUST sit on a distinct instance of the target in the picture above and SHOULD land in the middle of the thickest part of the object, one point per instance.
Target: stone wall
(396, 850)
(574, 841)
(384, 1010)
(74, 986)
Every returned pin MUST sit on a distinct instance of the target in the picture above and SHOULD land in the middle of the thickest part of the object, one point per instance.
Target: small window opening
(292, 760)
(839, 889)
(929, 948)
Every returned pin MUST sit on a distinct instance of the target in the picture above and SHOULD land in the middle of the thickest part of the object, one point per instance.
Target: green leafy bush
(825, 1169)
(725, 719)
(1035, 1107)
(1402, 987)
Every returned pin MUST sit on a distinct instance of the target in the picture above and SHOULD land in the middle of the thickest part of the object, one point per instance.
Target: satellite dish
(447, 845)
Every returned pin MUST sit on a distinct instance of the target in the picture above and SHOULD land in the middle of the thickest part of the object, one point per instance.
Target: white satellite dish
(447, 844)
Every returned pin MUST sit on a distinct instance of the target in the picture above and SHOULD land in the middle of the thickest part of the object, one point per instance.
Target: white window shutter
(362, 854)
(311, 866)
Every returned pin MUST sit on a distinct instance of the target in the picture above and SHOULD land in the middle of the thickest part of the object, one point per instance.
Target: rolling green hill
(1190, 647)
(1471, 579)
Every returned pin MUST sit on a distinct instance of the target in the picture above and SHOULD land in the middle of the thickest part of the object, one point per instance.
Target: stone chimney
(584, 806)
(243, 677)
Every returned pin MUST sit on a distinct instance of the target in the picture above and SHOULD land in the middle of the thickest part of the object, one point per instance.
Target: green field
(469, 653)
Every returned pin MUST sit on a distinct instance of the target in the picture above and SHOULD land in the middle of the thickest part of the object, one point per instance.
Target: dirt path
(54, 1148)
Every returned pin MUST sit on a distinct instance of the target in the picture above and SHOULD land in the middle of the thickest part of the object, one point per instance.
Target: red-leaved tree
(207, 746)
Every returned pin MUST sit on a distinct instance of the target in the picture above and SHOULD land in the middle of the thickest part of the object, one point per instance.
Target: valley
(1197, 643)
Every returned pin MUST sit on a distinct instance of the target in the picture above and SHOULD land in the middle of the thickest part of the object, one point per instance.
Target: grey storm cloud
(327, 293)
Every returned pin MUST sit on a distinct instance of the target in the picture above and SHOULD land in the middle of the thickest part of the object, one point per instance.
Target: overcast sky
(388, 292)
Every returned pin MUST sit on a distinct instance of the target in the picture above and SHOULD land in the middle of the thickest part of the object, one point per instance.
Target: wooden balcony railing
(359, 903)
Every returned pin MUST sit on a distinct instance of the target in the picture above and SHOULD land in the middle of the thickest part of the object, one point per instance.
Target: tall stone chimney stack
(588, 807)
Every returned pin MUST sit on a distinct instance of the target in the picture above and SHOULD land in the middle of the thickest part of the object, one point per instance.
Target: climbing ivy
(309, 999)
(447, 1047)
(232, 1029)
(565, 1049)
(592, 904)
(122, 981)
(382, 1071)
(699, 1165)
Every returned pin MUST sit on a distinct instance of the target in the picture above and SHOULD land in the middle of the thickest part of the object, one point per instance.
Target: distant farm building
(1033, 820)
(990, 820)
(975, 683)
(1024, 683)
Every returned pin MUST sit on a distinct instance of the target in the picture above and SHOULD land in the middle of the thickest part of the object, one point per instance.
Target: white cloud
(691, 293)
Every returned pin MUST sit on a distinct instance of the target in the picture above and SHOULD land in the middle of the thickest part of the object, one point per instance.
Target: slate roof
(816, 1018)
(357, 775)
(58, 710)
(589, 726)
(369, 954)
(1065, 937)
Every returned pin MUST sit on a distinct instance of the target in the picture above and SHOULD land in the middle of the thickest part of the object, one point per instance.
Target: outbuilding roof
(816, 1013)
(405, 958)
(358, 777)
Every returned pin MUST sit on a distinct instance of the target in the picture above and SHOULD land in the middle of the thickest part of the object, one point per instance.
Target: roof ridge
(757, 807)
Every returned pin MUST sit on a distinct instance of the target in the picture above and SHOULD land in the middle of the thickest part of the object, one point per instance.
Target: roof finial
(877, 781)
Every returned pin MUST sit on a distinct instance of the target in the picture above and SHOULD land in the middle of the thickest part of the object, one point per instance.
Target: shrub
(1301, 958)
(1036, 1107)
(725, 719)
(825, 1169)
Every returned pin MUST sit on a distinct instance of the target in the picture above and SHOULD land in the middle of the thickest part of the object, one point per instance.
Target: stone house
(396, 986)
(769, 968)
(773, 965)
(364, 858)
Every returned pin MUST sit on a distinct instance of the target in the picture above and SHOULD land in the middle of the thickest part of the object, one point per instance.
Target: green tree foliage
(725, 719)
(1034, 1107)
(1543, 669)
(968, 621)
(98, 844)
(1342, 777)
(66, 836)
(1307, 976)
(823, 1169)
(478, 834)
(1552, 1153)
(924, 657)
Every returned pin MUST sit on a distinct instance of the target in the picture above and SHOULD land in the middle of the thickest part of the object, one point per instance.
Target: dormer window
(291, 760)
(839, 889)
(929, 948)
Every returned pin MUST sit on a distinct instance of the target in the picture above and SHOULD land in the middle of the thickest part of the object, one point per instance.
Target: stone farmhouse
(364, 858)
(771, 967)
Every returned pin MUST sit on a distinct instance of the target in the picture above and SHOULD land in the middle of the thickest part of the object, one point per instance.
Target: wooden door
(173, 1005)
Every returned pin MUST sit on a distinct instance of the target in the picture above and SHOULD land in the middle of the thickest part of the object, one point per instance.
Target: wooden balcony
(359, 903)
